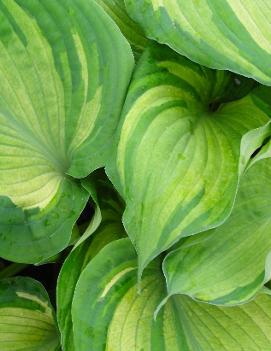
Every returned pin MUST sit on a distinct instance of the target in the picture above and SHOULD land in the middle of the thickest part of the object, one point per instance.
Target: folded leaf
(227, 34)
(110, 228)
(229, 264)
(59, 64)
(107, 203)
(133, 33)
(109, 314)
(27, 320)
(177, 156)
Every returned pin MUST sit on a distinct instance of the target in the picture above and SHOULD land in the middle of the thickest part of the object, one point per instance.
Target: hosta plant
(135, 167)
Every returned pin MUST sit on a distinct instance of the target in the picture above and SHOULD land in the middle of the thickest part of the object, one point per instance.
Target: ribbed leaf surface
(27, 321)
(229, 264)
(109, 313)
(59, 64)
(178, 151)
(224, 34)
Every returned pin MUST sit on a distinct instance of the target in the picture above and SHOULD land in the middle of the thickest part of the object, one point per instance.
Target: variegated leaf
(109, 314)
(59, 107)
(229, 265)
(27, 320)
(231, 35)
(178, 148)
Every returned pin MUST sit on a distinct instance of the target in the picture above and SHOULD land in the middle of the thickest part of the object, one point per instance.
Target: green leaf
(107, 203)
(110, 211)
(109, 314)
(177, 157)
(27, 320)
(59, 65)
(133, 33)
(11, 269)
(229, 264)
(226, 34)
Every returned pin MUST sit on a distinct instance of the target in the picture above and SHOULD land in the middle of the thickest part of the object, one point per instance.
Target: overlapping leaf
(27, 320)
(178, 150)
(229, 264)
(133, 33)
(109, 314)
(226, 34)
(110, 228)
(59, 65)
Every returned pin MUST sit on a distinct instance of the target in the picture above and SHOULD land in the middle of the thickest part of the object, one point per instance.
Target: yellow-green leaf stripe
(177, 156)
(231, 35)
(60, 63)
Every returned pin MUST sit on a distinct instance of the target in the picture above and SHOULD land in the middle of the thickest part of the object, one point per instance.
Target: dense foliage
(135, 175)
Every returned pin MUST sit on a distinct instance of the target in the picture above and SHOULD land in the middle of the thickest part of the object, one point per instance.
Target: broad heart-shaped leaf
(109, 314)
(226, 34)
(133, 33)
(176, 160)
(110, 229)
(27, 320)
(229, 264)
(60, 63)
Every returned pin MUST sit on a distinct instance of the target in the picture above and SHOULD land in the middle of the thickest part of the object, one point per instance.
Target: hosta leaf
(226, 34)
(110, 229)
(59, 64)
(117, 11)
(27, 320)
(109, 314)
(177, 157)
(231, 263)
(107, 203)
